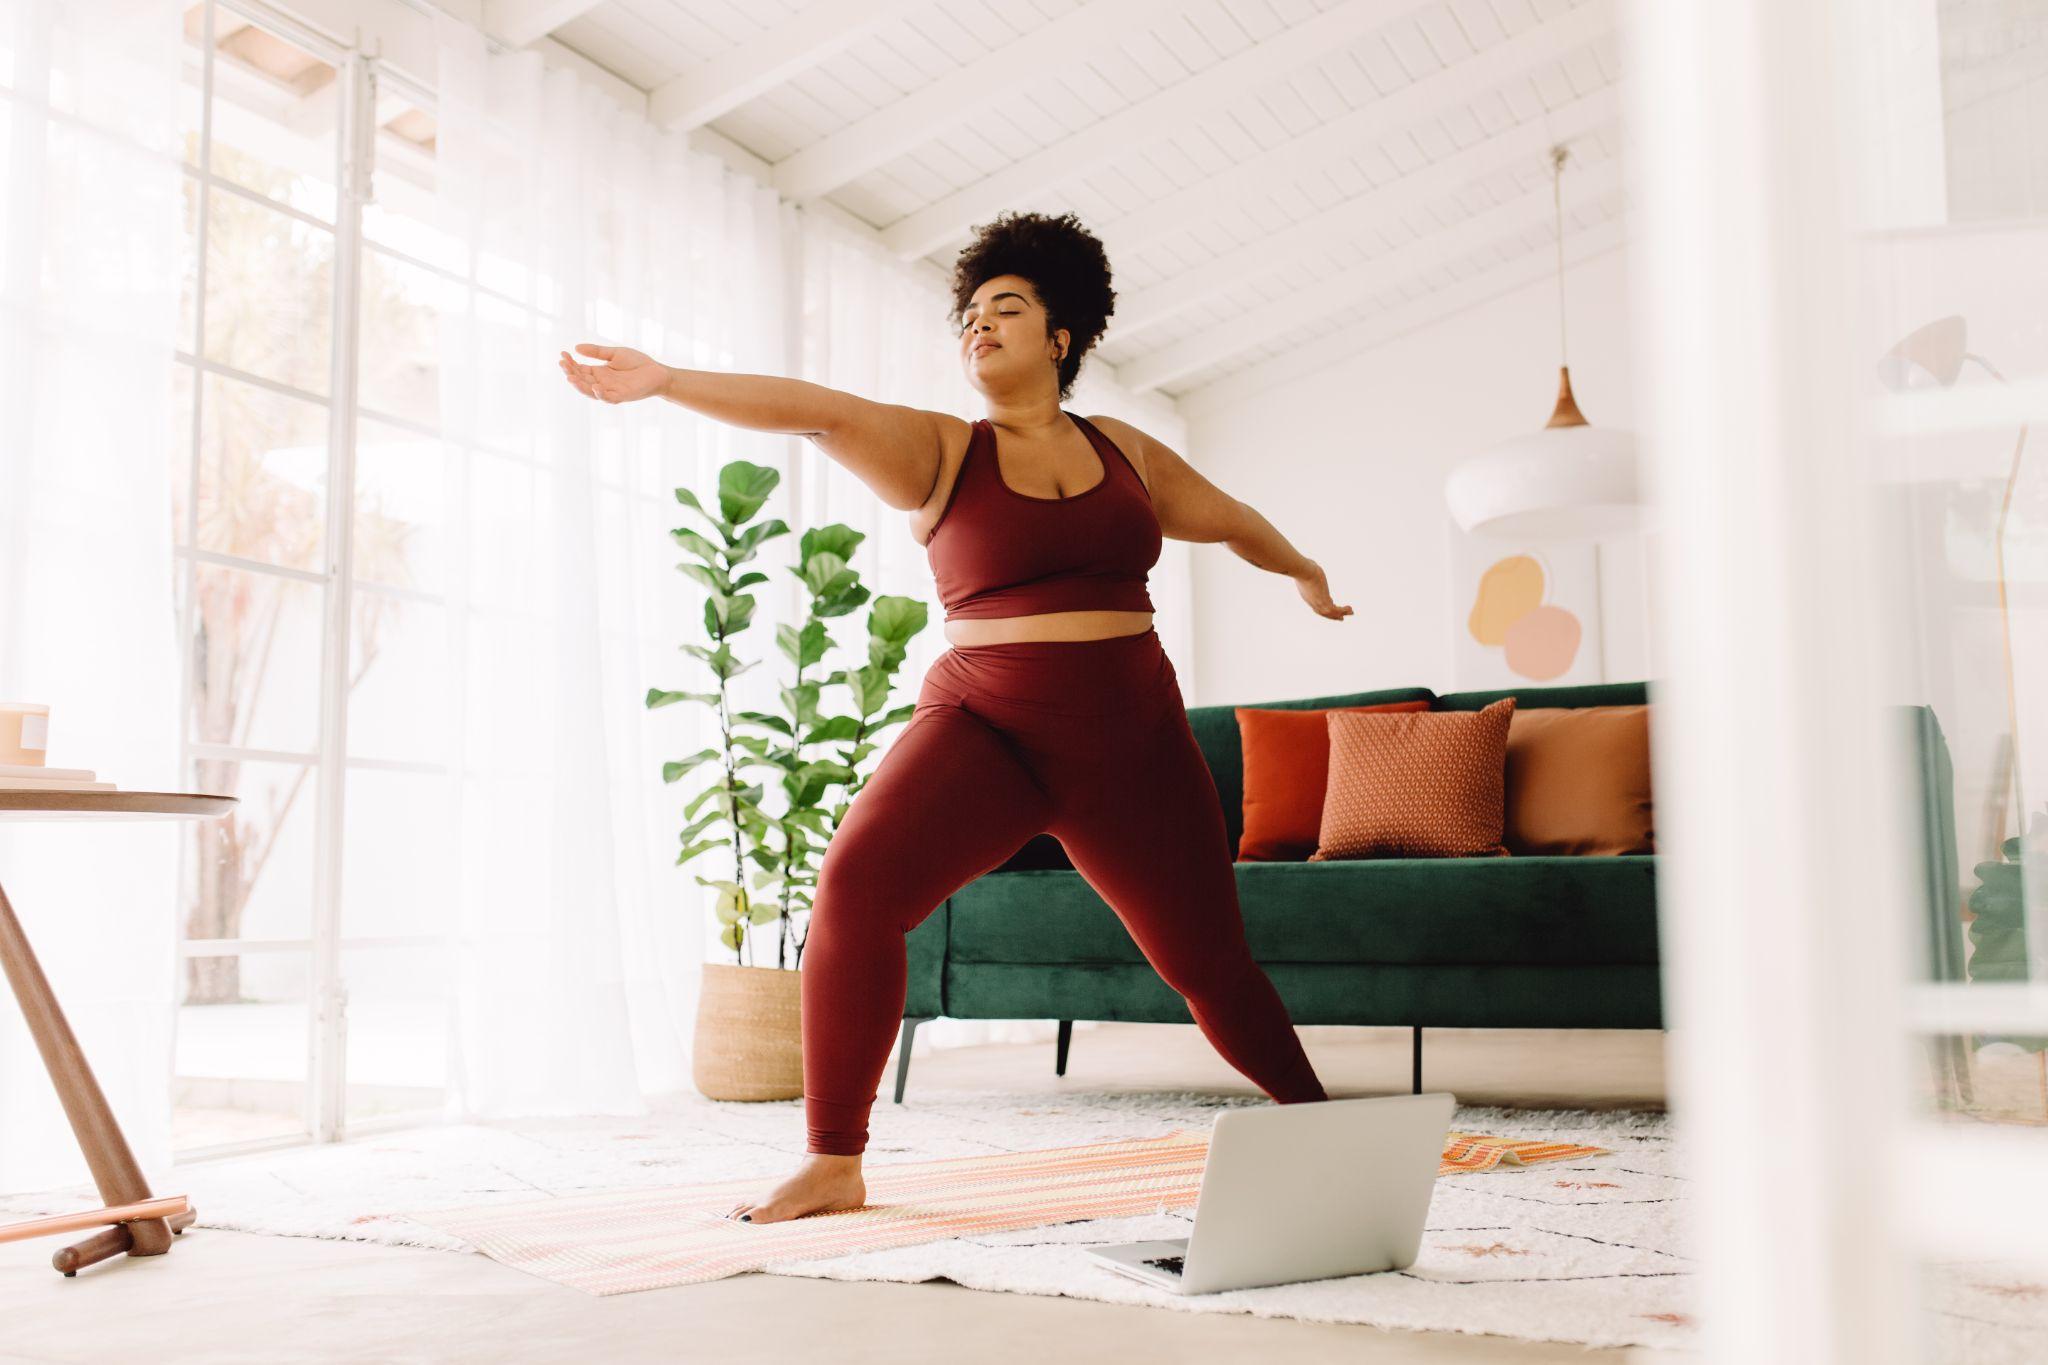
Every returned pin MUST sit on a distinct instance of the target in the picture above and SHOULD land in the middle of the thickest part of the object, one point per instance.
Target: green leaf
(714, 579)
(801, 701)
(836, 539)
(733, 903)
(671, 771)
(699, 825)
(767, 720)
(832, 729)
(820, 571)
(696, 544)
(743, 487)
(731, 935)
(747, 541)
(700, 846)
(898, 618)
(720, 659)
(688, 498)
(806, 646)
(844, 600)
(727, 615)
(658, 698)
(870, 688)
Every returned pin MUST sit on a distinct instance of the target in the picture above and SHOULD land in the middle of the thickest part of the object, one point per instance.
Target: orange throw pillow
(1286, 767)
(1427, 785)
(1578, 781)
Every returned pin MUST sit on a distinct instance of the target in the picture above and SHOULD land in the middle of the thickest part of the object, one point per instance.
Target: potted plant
(1998, 952)
(749, 1041)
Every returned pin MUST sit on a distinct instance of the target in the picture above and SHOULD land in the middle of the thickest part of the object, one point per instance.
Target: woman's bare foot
(821, 1184)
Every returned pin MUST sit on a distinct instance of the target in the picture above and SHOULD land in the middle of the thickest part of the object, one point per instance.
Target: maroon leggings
(1086, 739)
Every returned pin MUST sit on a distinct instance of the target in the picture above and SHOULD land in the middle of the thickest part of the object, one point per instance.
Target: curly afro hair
(1065, 264)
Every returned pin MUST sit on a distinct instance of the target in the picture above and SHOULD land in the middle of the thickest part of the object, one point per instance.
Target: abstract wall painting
(1524, 614)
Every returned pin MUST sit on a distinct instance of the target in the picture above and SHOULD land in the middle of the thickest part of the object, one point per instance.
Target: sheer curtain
(577, 941)
(89, 267)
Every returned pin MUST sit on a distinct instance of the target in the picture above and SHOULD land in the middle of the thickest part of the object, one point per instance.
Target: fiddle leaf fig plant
(783, 846)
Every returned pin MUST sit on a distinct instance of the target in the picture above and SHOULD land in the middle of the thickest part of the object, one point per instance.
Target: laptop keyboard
(1170, 1264)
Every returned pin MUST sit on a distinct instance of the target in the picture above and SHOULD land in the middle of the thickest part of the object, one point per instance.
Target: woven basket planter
(749, 1040)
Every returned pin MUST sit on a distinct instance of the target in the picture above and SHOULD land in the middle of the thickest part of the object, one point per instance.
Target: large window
(307, 508)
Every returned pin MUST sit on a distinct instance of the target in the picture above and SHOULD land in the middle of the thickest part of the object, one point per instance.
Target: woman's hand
(1315, 590)
(627, 374)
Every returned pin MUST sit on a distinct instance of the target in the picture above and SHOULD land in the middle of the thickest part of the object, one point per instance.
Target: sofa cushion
(1418, 785)
(1216, 732)
(1538, 910)
(1583, 694)
(1286, 768)
(1578, 781)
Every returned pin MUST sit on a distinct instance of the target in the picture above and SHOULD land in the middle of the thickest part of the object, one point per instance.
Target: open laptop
(1303, 1192)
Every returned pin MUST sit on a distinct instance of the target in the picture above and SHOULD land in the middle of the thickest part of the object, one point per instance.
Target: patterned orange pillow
(1286, 771)
(1425, 784)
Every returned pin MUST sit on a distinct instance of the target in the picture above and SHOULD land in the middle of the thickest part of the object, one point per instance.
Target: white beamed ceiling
(1280, 183)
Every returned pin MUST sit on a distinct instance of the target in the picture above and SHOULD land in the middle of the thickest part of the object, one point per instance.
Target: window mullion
(328, 1062)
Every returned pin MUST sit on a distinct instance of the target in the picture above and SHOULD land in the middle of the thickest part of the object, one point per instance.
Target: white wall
(1349, 462)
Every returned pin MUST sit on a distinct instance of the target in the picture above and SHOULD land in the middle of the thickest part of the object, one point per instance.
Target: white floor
(222, 1296)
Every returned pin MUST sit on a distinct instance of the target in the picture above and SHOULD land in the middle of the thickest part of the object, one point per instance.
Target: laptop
(1303, 1192)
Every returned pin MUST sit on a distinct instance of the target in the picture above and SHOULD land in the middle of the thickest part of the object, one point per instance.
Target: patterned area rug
(1589, 1250)
(622, 1241)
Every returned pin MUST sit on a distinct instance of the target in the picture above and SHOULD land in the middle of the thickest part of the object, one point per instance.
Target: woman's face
(1003, 345)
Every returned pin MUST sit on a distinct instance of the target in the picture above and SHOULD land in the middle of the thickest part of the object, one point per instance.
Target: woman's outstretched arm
(891, 448)
(1189, 507)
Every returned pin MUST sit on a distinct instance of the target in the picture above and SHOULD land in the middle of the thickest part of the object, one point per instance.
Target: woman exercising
(1056, 710)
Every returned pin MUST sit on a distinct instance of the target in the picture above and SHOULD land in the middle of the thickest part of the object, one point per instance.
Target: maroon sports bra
(997, 552)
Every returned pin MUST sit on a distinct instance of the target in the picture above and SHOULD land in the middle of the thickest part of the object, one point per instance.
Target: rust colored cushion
(1430, 784)
(1578, 781)
(1286, 767)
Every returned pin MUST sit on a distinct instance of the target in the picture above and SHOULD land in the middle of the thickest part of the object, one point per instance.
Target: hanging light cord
(1557, 156)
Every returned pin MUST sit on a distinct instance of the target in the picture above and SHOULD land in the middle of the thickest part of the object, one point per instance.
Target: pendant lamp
(1570, 481)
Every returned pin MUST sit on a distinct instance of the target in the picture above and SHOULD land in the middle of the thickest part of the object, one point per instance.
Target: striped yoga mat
(627, 1240)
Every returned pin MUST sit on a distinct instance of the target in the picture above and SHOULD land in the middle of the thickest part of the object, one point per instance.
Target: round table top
(27, 804)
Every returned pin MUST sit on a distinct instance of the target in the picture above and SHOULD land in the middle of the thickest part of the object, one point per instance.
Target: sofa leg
(910, 1023)
(1418, 1060)
(1059, 1061)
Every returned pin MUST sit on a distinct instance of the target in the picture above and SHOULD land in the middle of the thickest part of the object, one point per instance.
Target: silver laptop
(1303, 1192)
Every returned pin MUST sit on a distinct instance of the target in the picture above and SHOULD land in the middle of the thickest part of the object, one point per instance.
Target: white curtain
(578, 941)
(89, 267)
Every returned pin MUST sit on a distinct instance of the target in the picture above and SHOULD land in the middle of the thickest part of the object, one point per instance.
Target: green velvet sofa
(1514, 942)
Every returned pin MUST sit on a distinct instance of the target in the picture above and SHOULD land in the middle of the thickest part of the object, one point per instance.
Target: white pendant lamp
(1570, 481)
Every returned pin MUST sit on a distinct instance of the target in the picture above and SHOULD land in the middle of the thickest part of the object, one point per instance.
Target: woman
(1056, 708)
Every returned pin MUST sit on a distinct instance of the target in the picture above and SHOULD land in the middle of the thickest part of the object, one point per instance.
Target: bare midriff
(1050, 625)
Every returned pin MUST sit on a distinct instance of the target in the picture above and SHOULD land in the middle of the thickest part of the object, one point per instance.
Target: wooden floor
(226, 1295)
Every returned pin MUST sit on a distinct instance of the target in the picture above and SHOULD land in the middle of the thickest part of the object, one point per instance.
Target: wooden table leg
(99, 1137)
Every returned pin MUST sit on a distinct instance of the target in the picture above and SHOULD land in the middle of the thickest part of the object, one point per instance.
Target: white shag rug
(1589, 1250)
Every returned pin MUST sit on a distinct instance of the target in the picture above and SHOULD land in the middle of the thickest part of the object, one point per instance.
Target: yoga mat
(628, 1240)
